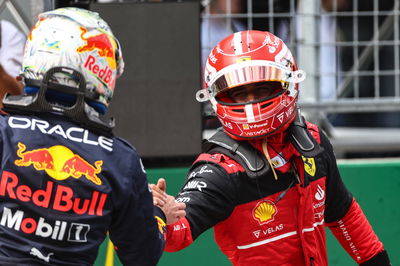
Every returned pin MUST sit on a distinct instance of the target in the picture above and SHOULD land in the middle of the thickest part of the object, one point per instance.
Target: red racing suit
(266, 221)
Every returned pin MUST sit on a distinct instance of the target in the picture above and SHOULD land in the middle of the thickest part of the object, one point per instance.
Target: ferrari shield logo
(243, 59)
(309, 165)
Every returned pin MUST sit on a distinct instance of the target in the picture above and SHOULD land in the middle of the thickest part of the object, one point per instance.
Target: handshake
(172, 209)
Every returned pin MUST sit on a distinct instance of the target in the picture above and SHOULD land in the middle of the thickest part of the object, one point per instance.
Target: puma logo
(37, 253)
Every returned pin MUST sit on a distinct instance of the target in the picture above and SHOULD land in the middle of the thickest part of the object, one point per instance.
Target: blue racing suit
(63, 188)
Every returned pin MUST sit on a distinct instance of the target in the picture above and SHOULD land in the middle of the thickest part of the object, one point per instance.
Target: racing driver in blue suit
(66, 181)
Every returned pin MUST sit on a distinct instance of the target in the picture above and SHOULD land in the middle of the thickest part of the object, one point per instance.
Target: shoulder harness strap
(241, 151)
(250, 158)
(302, 139)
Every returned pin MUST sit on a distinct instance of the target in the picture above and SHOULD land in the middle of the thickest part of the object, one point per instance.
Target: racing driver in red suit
(66, 181)
(268, 181)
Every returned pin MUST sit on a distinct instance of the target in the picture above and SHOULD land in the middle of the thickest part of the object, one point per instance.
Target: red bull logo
(102, 43)
(161, 225)
(59, 162)
(40, 158)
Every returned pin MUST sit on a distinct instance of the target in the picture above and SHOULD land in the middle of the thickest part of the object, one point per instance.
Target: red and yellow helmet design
(79, 39)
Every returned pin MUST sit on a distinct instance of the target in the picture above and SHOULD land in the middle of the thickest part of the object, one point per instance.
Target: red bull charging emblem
(59, 162)
(102, 43)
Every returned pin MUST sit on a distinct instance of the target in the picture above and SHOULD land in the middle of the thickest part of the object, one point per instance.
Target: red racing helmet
(252, 58)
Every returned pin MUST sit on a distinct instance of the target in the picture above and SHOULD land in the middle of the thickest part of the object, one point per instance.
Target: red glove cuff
(179, 235)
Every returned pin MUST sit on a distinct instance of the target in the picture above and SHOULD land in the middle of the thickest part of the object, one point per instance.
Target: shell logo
(264, 212)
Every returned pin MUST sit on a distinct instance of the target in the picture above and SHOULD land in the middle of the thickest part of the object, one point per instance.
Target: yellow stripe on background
(110, 254)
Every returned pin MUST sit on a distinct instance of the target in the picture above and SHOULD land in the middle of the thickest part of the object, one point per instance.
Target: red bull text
(53, 196)
(104, 73)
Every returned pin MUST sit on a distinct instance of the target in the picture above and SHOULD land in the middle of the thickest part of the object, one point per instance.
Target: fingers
(162, 184)
(159, 203)
(159, 196)
(174, 219)
(173, 210)
(157, 191)
(180, 205)
(180, 212)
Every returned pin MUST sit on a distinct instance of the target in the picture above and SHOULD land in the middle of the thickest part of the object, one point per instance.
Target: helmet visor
(251, 72)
